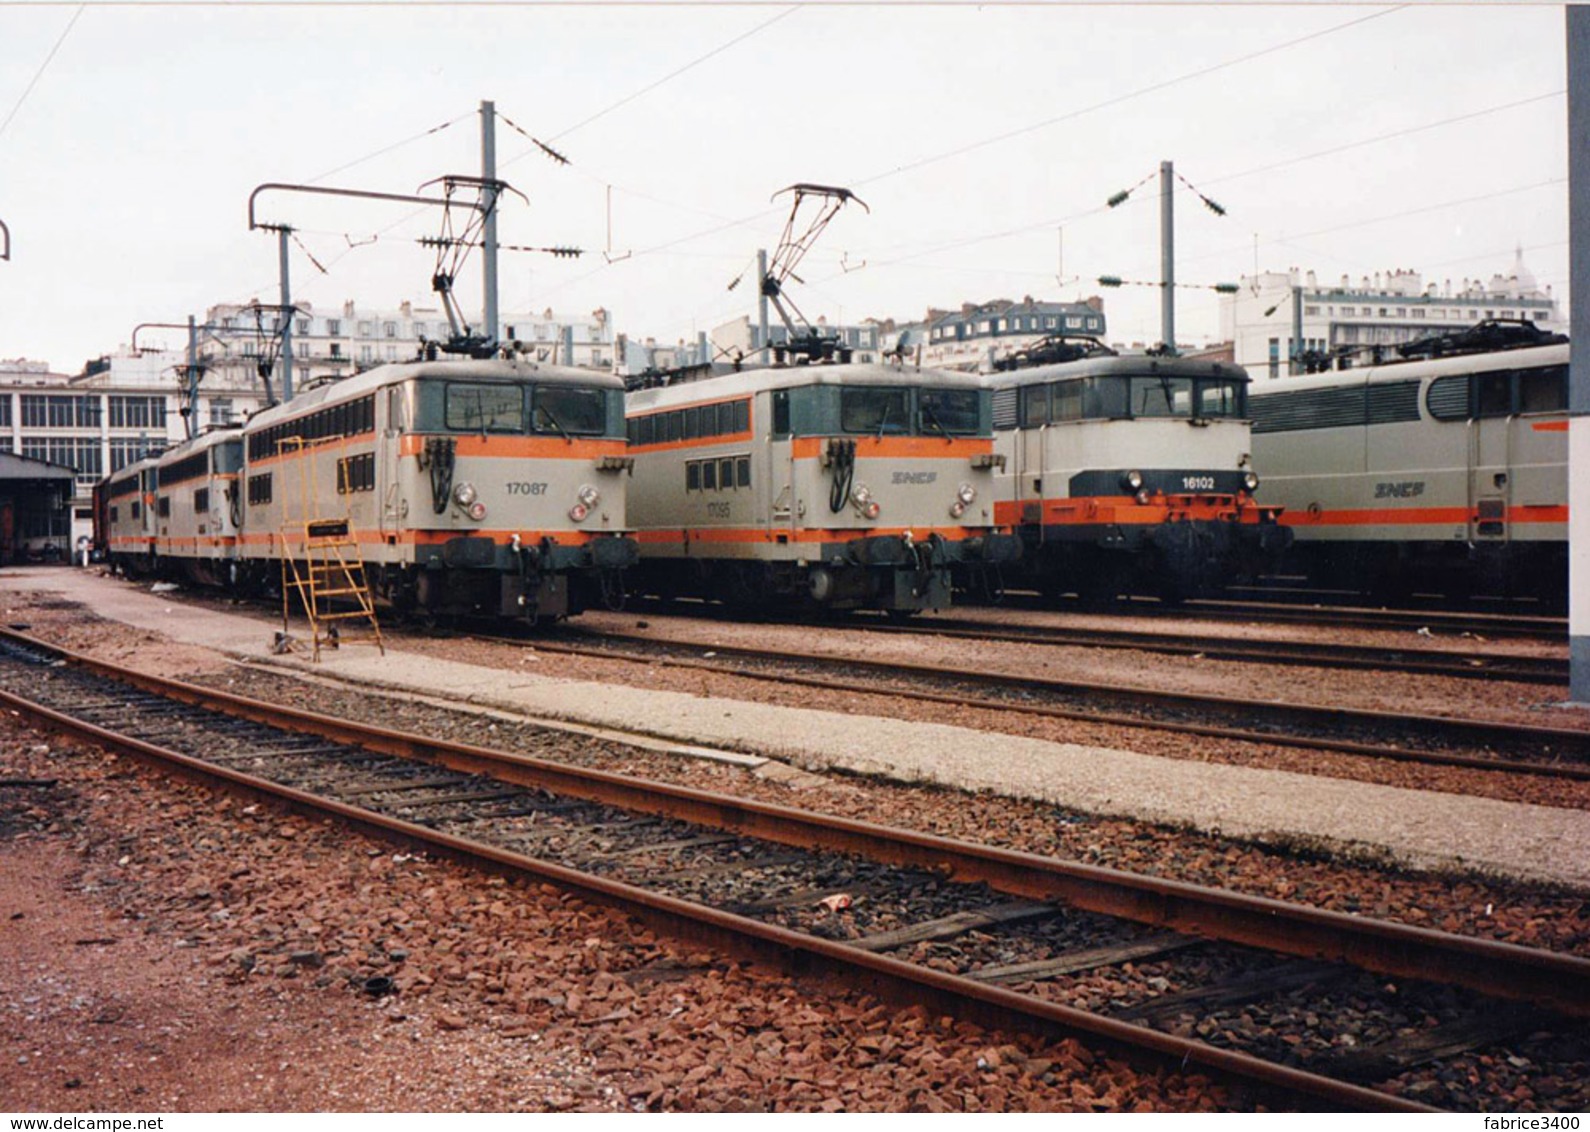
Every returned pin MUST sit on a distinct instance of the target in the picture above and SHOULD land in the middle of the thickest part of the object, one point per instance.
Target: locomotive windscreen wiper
(552, 420)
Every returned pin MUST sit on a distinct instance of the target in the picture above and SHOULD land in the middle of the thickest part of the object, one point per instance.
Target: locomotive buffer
(321, 562)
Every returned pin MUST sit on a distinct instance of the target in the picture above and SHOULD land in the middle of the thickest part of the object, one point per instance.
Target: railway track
(1465, 664)
(1436, 740)
(1250, 989)
(1490, 626)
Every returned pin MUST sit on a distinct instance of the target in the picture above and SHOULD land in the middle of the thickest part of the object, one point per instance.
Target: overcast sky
(1347, 139)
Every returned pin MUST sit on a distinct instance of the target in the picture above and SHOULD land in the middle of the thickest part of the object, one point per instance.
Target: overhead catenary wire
(1012, 134)
(1049, 222)
(44, 66)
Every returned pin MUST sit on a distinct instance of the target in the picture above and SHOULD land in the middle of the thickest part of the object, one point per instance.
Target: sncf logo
(1399, 490)
(915, 477)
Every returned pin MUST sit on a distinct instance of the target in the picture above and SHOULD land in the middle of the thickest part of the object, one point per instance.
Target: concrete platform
(1418, 828)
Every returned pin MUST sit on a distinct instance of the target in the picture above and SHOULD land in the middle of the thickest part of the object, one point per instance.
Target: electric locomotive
(818, 487)
(488, 487)
(1444, 472)
(125, 512)
(1129, 474)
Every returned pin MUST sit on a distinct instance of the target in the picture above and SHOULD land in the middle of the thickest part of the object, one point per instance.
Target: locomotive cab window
(951, 412)
(483, 408)
(879, 412)
(569, 410)
(1161, 397)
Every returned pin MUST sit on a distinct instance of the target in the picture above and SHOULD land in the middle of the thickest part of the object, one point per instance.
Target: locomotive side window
(951, 411)
(725, 474)
(163, 506)
(740, 418)
(781, 412)
(693, 476)
(484, 408)
(709, 476)
(259, 489)
(1034, 406)
(1107, 399)
(1219, 399)
(1067, 397)
(1543, 390)
(742, 471)
(876, 411)
(576, 412)
(1495, 394)
(201, 500)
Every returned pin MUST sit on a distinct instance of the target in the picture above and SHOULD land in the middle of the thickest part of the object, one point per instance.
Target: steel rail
(1476, 731)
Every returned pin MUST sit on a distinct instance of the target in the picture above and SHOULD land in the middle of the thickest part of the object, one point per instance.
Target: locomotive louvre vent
(1308, 409)
(1448, 398)
(1395, 402)
(1005, 404)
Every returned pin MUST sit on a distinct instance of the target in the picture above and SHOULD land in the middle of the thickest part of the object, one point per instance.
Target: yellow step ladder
(321, 564)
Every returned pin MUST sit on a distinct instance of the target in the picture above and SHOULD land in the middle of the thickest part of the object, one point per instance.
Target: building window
(124, 452)
(138, 412)
(220, 411)
(1275, 358)
(336, 349)
(366, 354)
(5, 410)
(1311, 311)
(391, 329)
(302, 327)
(55, 411)
(333, 326)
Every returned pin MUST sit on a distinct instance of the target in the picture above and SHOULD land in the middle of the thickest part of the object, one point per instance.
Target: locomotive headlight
(957, 509)
(589, 496)
(1142, 497)
(1250, 481)
(477, 510)
(871, 510)
(464, 493)
(967, 494)
(861, 495)
(1132, 481)
(578, 512)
